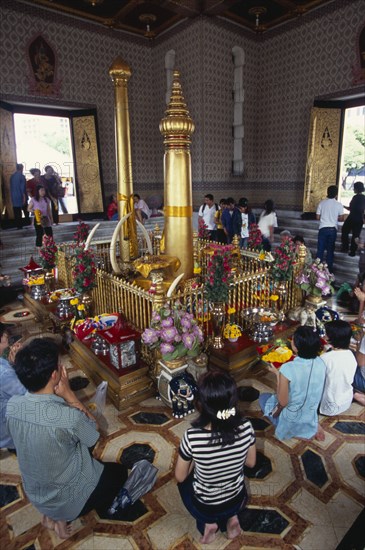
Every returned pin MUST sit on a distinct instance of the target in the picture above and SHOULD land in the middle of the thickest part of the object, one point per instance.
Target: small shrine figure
(183, 390)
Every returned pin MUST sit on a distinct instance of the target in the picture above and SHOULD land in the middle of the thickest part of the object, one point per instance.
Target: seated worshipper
(112, 211)
(60, 476)
(207, 213)
(293, 410)
(40, 204)
(340, 365)
(212, 455)
(359, 378)
(299, 240)
(231, 220)
(267, 223)
(247, 218)
(9, 384)
(141, 209)
(220, 235)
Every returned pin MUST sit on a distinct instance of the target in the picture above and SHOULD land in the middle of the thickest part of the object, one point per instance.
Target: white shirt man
(329, 213)
(207, 212)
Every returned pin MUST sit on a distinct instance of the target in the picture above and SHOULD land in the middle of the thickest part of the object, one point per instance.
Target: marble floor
(303, 494)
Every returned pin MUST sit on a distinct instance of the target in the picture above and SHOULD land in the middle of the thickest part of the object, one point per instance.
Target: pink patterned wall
(284, 71)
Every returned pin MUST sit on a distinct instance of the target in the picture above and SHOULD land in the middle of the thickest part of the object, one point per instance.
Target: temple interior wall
(284, 71)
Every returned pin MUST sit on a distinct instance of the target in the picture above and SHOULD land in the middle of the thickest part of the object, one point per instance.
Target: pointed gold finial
(177, 126)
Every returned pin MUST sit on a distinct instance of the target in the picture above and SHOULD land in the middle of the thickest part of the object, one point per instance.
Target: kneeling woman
(300, 383)
(41, 206)
(212, 456)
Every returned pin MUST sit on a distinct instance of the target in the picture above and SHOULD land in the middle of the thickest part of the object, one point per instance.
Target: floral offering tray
(261, 315)
(276, 354)
(63, 294)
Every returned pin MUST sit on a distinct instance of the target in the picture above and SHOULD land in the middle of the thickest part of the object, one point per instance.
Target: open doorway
(43, 140)
(352, 167)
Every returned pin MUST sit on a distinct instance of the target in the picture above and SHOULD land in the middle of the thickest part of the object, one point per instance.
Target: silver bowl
(259, 322)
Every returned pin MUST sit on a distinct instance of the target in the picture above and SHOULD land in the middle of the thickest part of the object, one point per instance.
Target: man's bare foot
(359, 397)
(63, 529)
(48, 523)
(233, 528)
(320, 435)
(210, 532)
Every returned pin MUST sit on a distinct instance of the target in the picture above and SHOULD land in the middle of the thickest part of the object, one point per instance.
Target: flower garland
(48, 252)
(83, 269)
(284, 255)
(316, 279)
(174, 332)
(82, 232)
(219, 274)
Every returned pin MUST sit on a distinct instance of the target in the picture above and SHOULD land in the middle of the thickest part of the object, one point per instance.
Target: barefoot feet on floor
(320, 435)
(233, 528)
(210, 532)
(48, 523)
(359, 397)
(63, 529)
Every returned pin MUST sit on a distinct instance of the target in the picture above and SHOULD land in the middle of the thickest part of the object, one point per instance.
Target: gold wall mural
(323, 148)
(87, 164)
(7, 161)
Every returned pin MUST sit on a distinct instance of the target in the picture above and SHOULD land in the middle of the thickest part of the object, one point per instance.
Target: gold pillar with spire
(120, 73)
(177, 127)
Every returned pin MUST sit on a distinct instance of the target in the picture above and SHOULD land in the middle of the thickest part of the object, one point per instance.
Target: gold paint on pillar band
(120, 73)
(177, 128)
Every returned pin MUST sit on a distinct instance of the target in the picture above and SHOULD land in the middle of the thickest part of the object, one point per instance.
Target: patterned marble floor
(303, 494)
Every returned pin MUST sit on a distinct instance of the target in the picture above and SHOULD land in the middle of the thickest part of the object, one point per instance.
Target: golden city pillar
(177, 127)
(120, 73)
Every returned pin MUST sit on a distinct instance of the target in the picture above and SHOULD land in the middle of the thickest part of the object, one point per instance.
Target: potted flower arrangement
(48, 252)
(216, 288)
(48, 258)
(254, 237)
(83, 273)
(82, 232)
(315, 279)
(283, 265)
(174, 332)
(219, 274)
(232, 331)
(83, 269)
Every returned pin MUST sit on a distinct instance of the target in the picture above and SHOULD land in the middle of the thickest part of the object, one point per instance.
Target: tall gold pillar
(120, 73)
(177, 127)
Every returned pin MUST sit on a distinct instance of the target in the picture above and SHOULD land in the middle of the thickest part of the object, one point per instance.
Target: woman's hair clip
(225, 414)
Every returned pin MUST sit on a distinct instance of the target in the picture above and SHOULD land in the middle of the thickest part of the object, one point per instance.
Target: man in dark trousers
(354, 220)
(18, 195)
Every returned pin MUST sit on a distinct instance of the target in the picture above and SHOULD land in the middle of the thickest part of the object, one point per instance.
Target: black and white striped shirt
(218, 471)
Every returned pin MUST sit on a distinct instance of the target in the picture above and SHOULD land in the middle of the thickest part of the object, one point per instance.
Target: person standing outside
(18, 195)
(33, 182)
(50, 181)
(207, 214)
(231, 220)
(354, 221)
(329, 213)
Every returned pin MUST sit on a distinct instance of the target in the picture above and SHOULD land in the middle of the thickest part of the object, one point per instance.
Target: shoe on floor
(352, 254)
